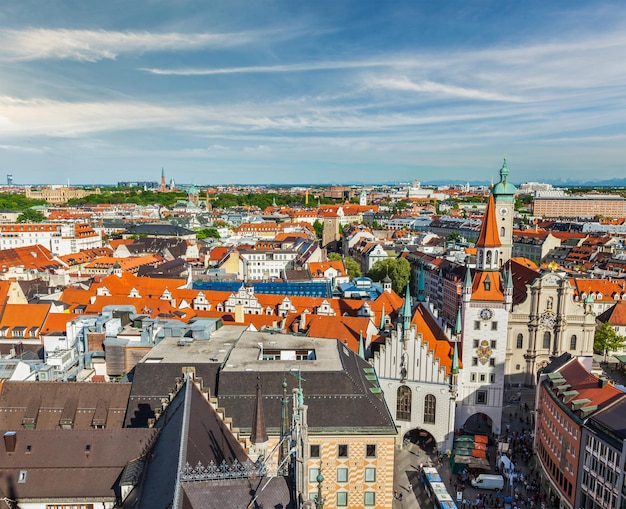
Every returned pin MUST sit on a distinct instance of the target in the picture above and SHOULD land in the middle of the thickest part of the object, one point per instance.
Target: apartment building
(588, 205)
(59, 238)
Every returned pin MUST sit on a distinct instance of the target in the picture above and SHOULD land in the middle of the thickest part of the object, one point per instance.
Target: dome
(504, 187)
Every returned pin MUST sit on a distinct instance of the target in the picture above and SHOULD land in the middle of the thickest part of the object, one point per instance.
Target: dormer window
(487, 284)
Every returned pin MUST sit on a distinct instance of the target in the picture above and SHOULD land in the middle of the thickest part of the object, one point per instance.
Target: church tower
(484, 316)
(504, 196)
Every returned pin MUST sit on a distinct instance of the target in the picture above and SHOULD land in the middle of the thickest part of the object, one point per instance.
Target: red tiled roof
(489, 230)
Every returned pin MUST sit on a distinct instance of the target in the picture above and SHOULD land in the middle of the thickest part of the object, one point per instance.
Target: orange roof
(432, 336)
(346, 329)
(319, 268)
(526, 262)
(30, 257)
(24, 315)
(615, 315)
(587, 384)
(57, 322)
(487, 286)
(489, 230)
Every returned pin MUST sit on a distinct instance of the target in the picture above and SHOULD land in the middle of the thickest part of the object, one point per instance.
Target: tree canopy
(207, 232)
(352, 267)
(13, 201)
(398, 269)
(607, 340)
(31, 216)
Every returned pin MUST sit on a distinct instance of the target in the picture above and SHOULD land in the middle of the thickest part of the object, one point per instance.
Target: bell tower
(504, 195)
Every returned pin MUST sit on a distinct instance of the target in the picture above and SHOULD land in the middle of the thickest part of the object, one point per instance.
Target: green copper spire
(274, 201)
(468, 278)
(406, 309)
(382, 318)
(457, 325)
(504, 190)
(420, 285)
(509, 278)
(455, 359)
(361, 346)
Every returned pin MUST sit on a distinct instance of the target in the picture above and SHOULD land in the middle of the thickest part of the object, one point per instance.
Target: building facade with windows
(567, 395)
(602, 474)
(547, 323)
(487, 296)
(415, 365)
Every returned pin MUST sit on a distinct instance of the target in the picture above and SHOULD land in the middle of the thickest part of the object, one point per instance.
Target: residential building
(602, 475)
(59, 238)
(588, 205)
(567, 395)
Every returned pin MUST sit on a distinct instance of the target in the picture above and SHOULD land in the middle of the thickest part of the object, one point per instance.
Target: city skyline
(326, 92)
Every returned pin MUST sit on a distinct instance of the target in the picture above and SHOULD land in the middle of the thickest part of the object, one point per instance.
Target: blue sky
(297, 91)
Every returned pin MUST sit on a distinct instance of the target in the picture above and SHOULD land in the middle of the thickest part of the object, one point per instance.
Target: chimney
(239, 313)
(10, 440)
(603, 382)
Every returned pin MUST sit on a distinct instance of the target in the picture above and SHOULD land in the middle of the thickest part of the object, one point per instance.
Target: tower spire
(406, 309)
(382, 318)
(259, 431)
(361, 346)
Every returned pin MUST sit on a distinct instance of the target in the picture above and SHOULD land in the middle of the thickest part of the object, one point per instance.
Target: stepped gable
(41, 405)
(70, 464)
(191, 433)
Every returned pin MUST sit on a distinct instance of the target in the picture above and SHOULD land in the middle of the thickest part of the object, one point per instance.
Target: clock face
(486, 314)
(504, 211)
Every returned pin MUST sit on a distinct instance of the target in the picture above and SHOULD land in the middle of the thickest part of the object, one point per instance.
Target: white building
(486, 302)
(259, 264)
(60, 238)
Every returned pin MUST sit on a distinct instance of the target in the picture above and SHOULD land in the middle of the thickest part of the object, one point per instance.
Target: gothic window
(502, 231)
(403, 403)
(572, 342)
(520, 341)
(488, 257)
(495, 257)
(430, 407)
(546, 339)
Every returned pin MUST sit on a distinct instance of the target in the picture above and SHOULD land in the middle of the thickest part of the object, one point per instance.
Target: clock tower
(504, 195)
(485, 304)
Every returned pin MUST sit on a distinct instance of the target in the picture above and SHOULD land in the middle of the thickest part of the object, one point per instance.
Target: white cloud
(94, 45)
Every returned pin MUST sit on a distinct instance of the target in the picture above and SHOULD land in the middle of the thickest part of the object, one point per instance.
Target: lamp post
(319, 500)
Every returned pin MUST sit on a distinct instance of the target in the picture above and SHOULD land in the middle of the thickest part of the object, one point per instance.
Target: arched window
(488, 258)
(572, 342)
(480, 258)
(546, 339)
(495, 257)
(520, 341)
(430, 408)
(502, 231)
(550, 303)
(403, 403)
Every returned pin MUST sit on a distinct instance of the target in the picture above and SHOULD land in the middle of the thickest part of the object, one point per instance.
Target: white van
(488, 482)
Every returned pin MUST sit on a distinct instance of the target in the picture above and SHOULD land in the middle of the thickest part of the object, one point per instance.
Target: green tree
(352, 267)
(207, 232)
(319, 228)
(607, 340)
(334, 257)
(31, 216)
(398, 269)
